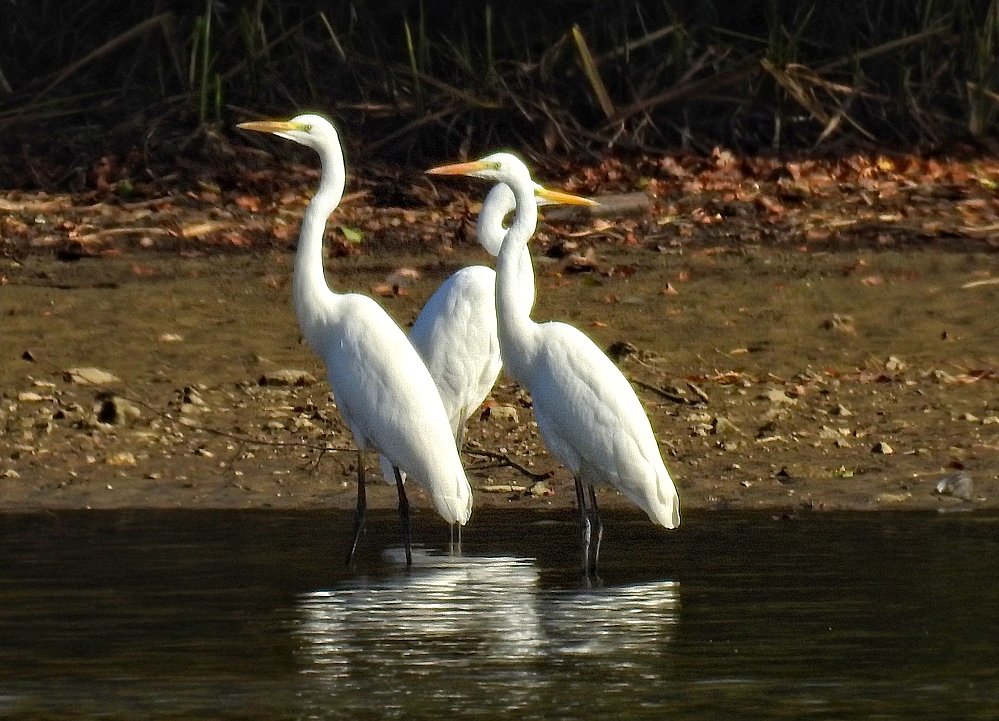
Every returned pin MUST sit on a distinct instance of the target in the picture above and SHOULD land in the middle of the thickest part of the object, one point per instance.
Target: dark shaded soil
(798, 344)
(782, 375)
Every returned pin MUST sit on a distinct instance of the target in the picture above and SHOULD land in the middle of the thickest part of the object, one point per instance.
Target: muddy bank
(774, 379)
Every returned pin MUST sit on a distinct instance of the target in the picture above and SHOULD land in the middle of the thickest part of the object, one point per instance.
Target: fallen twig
(978, 283)
(419, 122)
(675, 397)
(980, 229)
(687, 90)
(162, 20)
(883, 48)
(111, 232)
(592, 74)
(477, 450)
(608, 206)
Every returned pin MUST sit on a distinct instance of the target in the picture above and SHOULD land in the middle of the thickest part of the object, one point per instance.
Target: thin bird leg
(455, 548)
(600, 529)
(362, 507)
(584, 527)
(407, 535)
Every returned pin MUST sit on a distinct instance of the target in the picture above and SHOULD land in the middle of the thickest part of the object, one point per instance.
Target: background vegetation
(415, 79)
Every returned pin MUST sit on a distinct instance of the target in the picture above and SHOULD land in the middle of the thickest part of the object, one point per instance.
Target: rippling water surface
(251, 615)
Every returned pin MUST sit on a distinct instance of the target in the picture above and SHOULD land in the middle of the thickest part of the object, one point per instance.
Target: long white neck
(517, 332)
(315, 303)
(490, 231)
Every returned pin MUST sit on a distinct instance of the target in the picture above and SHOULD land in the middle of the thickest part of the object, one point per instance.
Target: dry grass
(435, 79)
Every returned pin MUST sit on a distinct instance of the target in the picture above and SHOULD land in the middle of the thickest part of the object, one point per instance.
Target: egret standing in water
(455, 333)
(587, 412)
(380, 385)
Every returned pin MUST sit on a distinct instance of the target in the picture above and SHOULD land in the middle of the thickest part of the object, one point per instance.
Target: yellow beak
(458, 168)
(557, 196)
(272, 126)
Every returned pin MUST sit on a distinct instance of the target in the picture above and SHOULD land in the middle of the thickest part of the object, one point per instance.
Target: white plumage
(587, 412)
(455, 333)
(381, 386)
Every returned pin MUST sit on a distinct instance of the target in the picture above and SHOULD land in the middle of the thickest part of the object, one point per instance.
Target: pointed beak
(458, 168)
(272, 126)
(557, 197)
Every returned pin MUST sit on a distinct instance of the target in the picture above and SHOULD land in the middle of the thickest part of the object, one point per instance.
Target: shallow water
(251, 614)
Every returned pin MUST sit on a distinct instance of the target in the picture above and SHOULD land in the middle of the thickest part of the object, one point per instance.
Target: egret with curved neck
(455, 333)
(587, 412)
(380, 385)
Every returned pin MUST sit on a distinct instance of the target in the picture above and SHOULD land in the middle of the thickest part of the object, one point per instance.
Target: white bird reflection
(461, 630)
(445, 609)
(613, 622)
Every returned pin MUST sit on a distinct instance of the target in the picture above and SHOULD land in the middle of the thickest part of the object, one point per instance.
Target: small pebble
(120, 459)
(776, 395)
(287, 377)
(958, 485)
(504, 413)
(89, 376)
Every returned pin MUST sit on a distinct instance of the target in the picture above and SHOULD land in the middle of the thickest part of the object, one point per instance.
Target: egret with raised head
(380, 384)
(588, 414)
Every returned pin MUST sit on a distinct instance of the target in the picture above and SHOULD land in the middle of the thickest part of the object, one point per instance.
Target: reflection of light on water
(459, 632)
(446, 608)
(612, 621)
(416, 635)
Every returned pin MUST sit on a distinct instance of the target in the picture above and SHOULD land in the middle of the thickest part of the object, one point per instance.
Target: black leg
(584, 527)
(456, 547)
(362, 507)
(600, 529)
(407, 536)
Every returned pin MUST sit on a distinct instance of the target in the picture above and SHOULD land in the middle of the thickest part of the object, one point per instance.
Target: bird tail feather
(666, 504)
(455, 504)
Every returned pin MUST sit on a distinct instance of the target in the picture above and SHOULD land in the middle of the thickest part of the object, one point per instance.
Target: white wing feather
(386, 395)
(455, 335)
(592, 421)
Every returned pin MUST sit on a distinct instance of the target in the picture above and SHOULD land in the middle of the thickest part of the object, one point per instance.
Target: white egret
(380, 385)
(455, 333)
(587, 412)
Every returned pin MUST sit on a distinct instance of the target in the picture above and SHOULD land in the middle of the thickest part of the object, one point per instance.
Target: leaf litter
(720, 293)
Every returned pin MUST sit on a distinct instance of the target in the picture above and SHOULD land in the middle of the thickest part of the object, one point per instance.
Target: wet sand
(775, 378)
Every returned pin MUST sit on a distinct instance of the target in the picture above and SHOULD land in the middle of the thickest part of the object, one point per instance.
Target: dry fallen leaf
(249, 202)
(582, 262)
(199, 230)
(234, 238)
(403, 276)
(388, 291)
